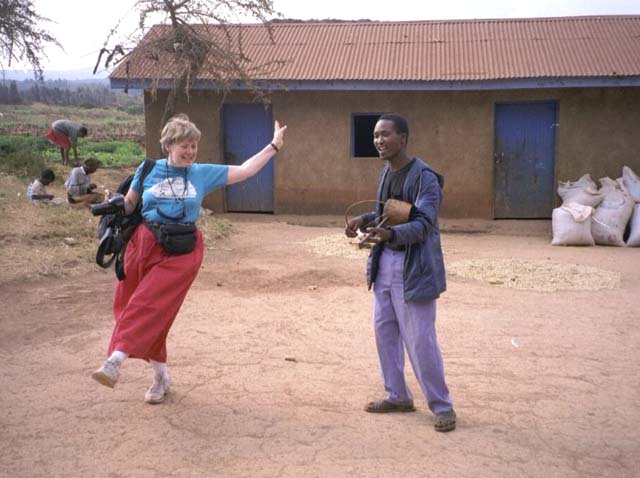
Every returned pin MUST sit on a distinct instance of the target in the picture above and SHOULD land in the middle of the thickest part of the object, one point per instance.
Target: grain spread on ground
(535, 275)
(513, 273)
(337, 245)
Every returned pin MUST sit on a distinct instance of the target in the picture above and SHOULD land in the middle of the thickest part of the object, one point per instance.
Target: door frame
(556, 107)
(224, 159)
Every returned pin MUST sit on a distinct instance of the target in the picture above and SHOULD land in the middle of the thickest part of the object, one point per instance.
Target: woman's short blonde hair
(177, 129)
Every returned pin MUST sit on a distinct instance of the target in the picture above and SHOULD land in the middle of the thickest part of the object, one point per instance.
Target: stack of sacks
(610, 219)
(571, 222)
(583, 191)
(631, 184)
(571, 225)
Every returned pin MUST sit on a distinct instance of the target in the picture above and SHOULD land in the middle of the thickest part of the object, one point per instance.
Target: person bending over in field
(80, 189)
(65, 134)
(164, 254)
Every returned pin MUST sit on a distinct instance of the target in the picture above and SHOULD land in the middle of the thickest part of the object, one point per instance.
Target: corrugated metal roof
(457, 50)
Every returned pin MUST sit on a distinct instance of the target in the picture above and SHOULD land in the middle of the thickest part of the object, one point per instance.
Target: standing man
(65, 134)
(406, 270)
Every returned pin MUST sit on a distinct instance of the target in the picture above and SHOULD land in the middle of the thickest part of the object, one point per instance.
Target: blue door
(524, 158)
(247, 128)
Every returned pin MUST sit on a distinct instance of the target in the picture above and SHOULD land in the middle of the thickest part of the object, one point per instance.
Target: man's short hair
(399, 122)
(47, 174)
(83, 131)
(92, 163)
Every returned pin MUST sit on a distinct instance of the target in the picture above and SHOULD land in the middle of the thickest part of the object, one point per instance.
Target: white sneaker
(159, 390)
(108, 373)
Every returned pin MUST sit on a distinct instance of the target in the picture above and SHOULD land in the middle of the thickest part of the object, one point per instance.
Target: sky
(82, 26)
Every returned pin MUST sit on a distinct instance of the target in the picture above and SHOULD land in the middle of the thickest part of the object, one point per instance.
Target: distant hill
(86, 93)
(72, 75)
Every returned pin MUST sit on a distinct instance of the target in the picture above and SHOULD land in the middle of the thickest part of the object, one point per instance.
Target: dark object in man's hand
(379, 235)
(351, 230)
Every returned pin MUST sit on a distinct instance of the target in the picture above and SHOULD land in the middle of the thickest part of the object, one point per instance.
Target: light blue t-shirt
(174, 194)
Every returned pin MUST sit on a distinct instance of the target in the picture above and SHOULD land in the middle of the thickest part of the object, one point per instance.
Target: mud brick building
(503, 108)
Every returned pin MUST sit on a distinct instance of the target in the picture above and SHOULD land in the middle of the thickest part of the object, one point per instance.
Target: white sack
(634, 236)
(583, 191)
(610, 219)
(608, 184)
(631, 183)
(571, 225)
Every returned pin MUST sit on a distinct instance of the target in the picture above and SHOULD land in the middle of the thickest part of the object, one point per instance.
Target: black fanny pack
(175, 238)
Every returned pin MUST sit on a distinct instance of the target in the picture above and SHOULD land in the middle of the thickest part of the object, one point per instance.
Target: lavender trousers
(411, 324)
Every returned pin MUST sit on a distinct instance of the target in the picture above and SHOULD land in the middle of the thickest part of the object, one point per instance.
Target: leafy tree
(20, 35)
(4, 94)
(35, 93)
(202, 36)
(14, 95)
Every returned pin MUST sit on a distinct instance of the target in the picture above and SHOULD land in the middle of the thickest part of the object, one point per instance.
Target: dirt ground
(273, 358)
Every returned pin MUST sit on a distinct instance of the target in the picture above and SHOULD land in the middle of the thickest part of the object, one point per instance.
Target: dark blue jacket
(424, 274)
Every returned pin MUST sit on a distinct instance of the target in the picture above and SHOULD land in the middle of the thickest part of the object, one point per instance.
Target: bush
(7, 148)
(13, 144)
(22, 156)
(22, 164)
(135, 109)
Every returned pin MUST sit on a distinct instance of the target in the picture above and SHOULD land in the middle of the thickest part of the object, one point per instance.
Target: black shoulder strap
(147, 167)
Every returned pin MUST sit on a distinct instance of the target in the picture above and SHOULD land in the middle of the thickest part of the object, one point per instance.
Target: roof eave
(352, 85)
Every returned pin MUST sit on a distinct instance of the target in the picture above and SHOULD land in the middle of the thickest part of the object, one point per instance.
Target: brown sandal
(445, 421)
(385, 406)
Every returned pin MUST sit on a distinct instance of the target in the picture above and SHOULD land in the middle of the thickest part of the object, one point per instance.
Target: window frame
(352, 146)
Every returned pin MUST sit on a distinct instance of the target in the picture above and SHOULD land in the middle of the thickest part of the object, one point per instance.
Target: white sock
(118, 356)
(160, 369)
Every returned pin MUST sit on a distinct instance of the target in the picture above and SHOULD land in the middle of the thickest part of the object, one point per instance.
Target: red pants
(147, 301)
(58, 138)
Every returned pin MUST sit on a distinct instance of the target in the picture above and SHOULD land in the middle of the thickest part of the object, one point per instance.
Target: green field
(115, 138)
(105, 124)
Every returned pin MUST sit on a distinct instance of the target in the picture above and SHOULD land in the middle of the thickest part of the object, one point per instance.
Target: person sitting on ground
(80, 189)
(37, 191)
(65, 134)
